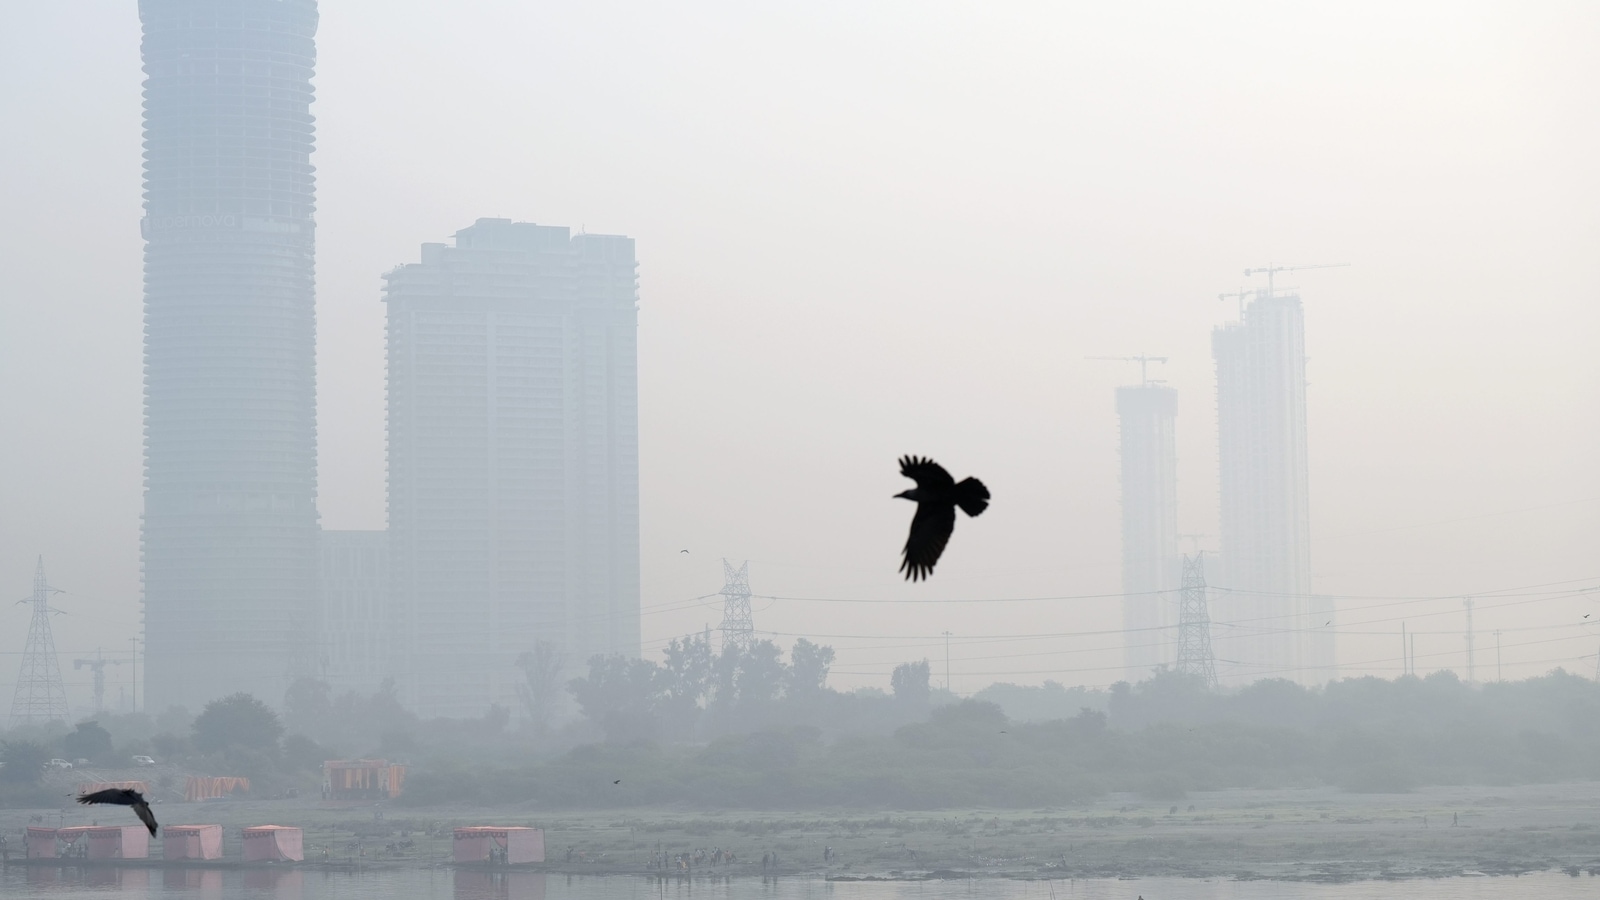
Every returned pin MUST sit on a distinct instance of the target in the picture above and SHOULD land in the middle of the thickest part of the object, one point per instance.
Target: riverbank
(1301, 835)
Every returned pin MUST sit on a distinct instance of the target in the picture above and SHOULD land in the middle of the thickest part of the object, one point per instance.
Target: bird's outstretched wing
(118, 796)
(926, 473)
(930, 531)
(142, 810)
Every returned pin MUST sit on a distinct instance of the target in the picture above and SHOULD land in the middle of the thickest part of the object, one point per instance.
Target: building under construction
(1263, 604)
(1147, 413)
(513, 459)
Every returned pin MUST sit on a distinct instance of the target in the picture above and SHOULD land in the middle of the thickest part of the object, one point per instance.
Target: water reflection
(122, 879)
(205, 882)
(77, 882)
(471, 884)
(279, 884)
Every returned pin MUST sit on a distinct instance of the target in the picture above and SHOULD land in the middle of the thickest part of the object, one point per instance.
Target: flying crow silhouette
(124, 797)
(937, 495)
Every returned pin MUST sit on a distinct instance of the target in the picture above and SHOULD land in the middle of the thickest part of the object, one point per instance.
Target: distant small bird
(618, 781)
(124, 797)
(937, 495)
(683, 551)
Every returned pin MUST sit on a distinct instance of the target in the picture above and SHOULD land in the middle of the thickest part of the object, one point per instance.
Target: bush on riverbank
(1160, 739)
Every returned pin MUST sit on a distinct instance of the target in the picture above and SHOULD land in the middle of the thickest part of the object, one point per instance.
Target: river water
(40, 883)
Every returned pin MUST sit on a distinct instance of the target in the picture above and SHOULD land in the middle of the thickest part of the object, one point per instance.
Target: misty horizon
(907, 230)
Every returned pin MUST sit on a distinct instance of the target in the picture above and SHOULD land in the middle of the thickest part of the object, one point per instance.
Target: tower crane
(1143, 361)
(98, 664)
(1240, 294)
(1270, 270)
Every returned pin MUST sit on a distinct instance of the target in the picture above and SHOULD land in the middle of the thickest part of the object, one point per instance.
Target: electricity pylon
(738, 628)
(1194, 624)
(40, 695)
(98, 665)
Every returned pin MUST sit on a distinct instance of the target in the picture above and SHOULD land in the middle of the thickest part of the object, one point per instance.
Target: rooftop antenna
(1143, 361)
(1270, 270)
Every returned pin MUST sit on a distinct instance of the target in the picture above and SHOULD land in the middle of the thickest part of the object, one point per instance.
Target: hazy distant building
(230, 522)
(1264, 603)
(355, 612)
(513, 458)
(1147, 413)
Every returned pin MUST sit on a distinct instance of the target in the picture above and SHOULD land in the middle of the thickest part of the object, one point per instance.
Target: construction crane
(1143, 361)
(98, 664)
(1240, 294)
(1270, 270)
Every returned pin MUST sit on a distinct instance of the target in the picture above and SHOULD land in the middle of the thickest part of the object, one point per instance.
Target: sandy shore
(1319, 834)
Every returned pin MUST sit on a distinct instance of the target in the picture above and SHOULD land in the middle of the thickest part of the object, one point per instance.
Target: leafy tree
(88, 741)
(236, 721)
(762, 674)
(621, 695)
(808, 668)
(686, 674)
(168, 745)
(308, 705)
(910, 682)
(24, 762)
(541, 669)
(301, 752)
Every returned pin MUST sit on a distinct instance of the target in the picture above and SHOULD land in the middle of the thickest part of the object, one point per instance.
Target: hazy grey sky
(868, 229)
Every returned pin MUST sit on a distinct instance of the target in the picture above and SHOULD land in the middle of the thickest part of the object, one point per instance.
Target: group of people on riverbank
(683, 862)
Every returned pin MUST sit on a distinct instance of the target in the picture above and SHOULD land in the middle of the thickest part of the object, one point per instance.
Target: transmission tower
(40, 695)
(1194, 623)
(98, 664)
(1472, 669)
(738, 628)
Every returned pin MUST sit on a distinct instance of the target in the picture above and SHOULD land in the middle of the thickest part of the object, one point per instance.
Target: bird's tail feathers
(972, 496)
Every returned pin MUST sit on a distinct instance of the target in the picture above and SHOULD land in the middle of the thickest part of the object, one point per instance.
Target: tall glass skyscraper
(230, 521)
(513, 459)
(1149, 452)
(1265, 603)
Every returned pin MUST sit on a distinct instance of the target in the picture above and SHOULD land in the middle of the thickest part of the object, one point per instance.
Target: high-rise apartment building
(354, 621)
(1265, 598)
(1150, 563)
(513, 458)
(230, 521)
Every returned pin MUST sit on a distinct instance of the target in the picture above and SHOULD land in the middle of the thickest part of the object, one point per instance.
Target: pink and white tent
(41, 842)
(119, 842)
(277, 843)
(521, 845)
(191, 842)
(71, 834)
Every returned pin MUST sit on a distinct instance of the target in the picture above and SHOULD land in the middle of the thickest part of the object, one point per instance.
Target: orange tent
(208, 787)
(360, 779)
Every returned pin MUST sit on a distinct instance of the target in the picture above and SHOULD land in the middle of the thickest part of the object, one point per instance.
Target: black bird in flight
(124, 797)
(937, 495)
